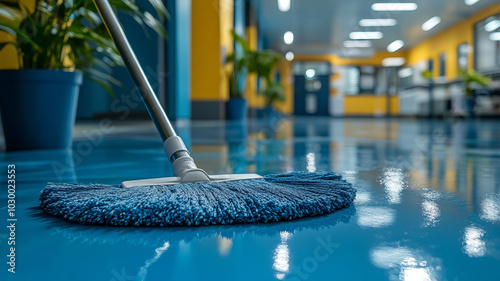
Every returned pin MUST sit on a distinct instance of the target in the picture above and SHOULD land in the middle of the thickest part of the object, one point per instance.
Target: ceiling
(321, 26)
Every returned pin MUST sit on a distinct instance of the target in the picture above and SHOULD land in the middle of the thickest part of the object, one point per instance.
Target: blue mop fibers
(274, 198)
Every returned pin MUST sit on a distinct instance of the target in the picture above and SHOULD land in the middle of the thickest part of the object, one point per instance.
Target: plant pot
(38, 107)
(236, 109)
(470, 103)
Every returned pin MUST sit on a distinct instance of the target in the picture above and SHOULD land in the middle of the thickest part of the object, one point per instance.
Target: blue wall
(179, 59)
(145, 45)
(166, 64)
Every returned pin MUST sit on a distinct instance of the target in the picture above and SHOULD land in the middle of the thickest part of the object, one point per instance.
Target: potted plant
(236, 106)
(56, 43)
(273, 92)
(262, 63)
(472, 78)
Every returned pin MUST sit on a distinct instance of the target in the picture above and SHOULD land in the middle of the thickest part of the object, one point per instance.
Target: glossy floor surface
(427, 208)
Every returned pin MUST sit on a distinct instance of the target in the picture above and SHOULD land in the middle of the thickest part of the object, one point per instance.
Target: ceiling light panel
(378, 22)
(431, 23)
(366, 35)
(358, 44)
(471, 2)
(492, 25)
(396, 45)
(284, 5)
(394, 7)
(393, 62)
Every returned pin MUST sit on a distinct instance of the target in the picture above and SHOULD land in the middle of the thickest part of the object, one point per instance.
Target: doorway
(311, 88)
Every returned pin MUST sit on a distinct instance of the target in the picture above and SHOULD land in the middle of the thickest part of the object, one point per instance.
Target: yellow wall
(285, 70)
(210, 29)
(447, 41)
(8, 55)
(369, 105)
(254, 99)
(226, 39)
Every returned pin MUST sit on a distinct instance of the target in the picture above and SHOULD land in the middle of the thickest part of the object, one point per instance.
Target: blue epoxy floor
(428, 204)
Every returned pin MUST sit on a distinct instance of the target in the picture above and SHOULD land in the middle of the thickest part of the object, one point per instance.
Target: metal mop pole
(154, 108)
(174, 146)
(183, 165)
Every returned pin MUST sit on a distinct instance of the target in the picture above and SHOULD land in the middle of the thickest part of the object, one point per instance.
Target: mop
(191, 197)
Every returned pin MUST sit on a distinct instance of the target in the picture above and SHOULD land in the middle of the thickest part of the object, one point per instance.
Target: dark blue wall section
(145, 45)
(320, 96)
(239, 17)
(239, 28)
(92, 100)
(178, 74)
(166, 63)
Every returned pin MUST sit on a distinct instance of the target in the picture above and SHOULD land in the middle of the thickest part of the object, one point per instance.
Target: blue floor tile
(427, 208)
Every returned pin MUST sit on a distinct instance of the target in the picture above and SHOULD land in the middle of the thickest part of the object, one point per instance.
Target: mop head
(271, 199)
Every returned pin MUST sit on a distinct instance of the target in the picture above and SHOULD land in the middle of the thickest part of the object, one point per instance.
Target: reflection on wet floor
(458, 157)
(427, 207)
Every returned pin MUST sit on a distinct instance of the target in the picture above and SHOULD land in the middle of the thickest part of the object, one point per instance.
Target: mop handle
(154, 108)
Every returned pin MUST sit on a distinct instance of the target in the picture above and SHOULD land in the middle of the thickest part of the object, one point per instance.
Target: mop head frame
(273, 198)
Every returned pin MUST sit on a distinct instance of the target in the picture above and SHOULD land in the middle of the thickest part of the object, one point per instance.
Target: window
(487, 44)
(364, 80)
(367, 79)
(351, 80)
(442, 65)
(463, 56)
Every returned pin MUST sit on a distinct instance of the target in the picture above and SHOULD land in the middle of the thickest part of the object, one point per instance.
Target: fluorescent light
(394, 7)
(378, 22)
(393, 62)
(357, 44)
(471, 2)
(495, 36)
(431, 23)
(284, 5)
(396, 45)
(492, 25)
(289, 56)
(366, 35)
(406, 72)
(288, 37)
(310, 73)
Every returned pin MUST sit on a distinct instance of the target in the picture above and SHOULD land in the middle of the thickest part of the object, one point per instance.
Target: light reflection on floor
(428, 203)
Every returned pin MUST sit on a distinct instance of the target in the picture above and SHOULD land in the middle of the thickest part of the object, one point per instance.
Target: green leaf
(106, 86)
(124, 5)
(104, 76)
(103, 65)
(12, 28)
(138, 19)
(92, 16)
(68, 4)
(10, 13)
(241, 41)
(230, 58)
(153, 23)
(159, 8)
(60, 29)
